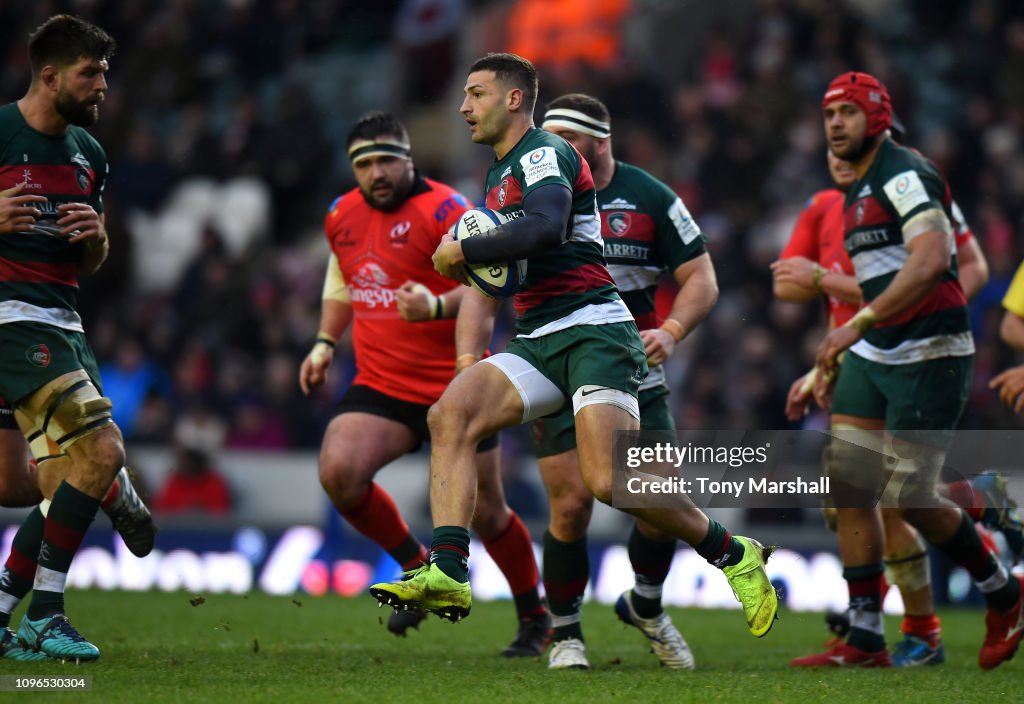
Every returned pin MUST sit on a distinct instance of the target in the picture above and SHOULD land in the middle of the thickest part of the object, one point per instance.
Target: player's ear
(50, 77)
(514, 99)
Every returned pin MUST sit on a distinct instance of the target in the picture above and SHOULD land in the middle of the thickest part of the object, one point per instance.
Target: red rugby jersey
(378, 252)
(818, 236)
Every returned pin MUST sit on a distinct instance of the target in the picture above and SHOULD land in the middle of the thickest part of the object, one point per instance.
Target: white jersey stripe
(19, 311)
(634, 278)
(879, 262)
(919, 350)
(587, 228)
(595, 314)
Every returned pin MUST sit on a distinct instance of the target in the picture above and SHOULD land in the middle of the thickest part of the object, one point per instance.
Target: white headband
(578, 122)
(378, 147)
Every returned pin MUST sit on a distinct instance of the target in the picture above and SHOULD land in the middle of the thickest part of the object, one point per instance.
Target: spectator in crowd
(193, 485)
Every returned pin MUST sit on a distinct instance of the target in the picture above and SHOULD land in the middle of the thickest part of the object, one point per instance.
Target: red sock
(512, 550)
(377, 517)
(111, 494)
(963, 495)
(928, 628)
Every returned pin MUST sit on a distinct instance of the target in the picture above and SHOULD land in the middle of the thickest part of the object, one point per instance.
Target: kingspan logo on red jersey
(371, 286)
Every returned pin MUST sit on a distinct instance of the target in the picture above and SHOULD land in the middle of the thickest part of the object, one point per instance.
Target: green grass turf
(159, 648)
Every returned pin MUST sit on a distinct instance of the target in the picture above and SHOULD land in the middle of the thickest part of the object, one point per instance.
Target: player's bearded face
(81, 89)
(76, 112)
(385, 181)
(846, 128)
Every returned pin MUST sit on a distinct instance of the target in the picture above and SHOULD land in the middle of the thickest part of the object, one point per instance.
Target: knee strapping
(42, 447)
(73, 410)
(855, 464)
(915, 470)
(911, 571)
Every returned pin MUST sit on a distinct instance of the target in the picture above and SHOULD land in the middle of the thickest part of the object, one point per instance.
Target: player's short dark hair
(581, 102)
(514, 69)
(64, 39)
(376, 124)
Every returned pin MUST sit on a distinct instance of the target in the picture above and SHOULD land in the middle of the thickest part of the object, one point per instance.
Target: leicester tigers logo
(39, 355)
(860, 212)
(619, 223)
(82, 176)
(502, 192)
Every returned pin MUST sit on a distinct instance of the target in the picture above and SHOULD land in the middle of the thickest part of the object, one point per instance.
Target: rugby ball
(497, 280)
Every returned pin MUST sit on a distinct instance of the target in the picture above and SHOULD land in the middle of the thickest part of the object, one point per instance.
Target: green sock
(1000, 590)
(651, 560)
(19, 571)
(449, 550)
(69, 517)
(566, 573)
(719, 547)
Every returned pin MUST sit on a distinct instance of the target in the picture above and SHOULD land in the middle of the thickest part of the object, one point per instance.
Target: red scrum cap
(866, 92)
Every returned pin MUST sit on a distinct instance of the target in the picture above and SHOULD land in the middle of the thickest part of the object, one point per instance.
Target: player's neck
(603, 171)
(862, 165)
(514, 133)
(41, 115)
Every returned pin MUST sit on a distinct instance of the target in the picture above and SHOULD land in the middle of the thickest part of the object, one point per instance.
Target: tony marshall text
(706, 486)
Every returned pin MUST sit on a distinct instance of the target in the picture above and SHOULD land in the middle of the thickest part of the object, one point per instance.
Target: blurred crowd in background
(225, 120)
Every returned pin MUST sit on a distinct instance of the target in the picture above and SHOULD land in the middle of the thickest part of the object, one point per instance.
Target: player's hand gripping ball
(498, 280)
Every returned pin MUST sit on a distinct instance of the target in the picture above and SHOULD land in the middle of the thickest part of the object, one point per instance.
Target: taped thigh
(590, 394)
(915, 471)
(539, 394)
(855, 463)
(71, 410)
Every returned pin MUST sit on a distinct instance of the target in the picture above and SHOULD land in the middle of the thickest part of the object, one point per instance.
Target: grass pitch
(160, 648)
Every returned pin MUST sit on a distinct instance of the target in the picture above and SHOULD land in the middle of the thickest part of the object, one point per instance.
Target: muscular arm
(542, 227)
(929, 257)
(416, 303)
(842, 286)
(793, 292)
(453, 301)
(335, 317)
(336, 308)
(474, 327)
(973, 268)
(698, 291)
(793, 280)
(929, 248)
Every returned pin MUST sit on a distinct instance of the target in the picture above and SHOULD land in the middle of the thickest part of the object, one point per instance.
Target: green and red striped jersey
(647, 230)
(568, 285)
(899, 185)
(39, 269)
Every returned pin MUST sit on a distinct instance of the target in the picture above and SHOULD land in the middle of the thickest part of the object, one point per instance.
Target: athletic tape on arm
(334, 283)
